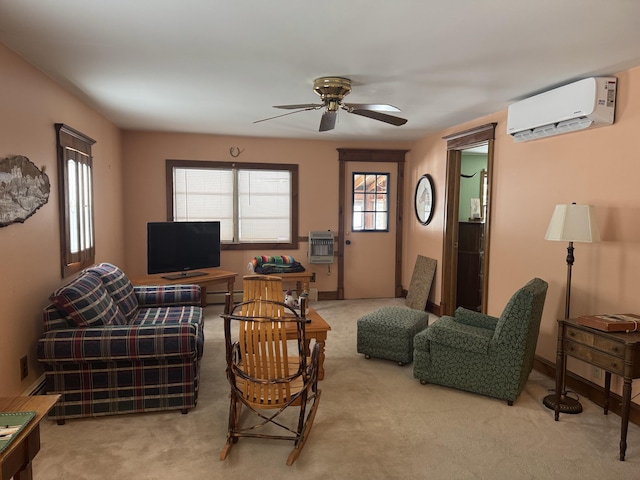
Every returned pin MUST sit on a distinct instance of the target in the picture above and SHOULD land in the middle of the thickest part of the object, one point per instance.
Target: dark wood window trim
(72, 144)
(293, 168)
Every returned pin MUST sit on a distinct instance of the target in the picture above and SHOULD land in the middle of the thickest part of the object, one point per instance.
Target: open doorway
(467, 219)
(471, 227)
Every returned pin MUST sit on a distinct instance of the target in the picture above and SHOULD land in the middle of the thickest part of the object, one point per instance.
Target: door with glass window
(369, 226)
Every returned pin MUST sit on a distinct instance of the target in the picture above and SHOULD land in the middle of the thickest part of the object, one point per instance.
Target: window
(75, 171)
(370, 202)
(256, 204)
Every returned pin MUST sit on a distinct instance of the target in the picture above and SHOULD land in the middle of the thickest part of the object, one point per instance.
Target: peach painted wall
(145, 155)
(29, 251)
(599, 167)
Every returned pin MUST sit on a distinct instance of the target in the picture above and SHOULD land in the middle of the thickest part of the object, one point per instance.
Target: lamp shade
(573, 223)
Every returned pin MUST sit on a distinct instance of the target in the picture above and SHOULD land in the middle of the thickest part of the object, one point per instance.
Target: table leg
(607, 389)
(203, 296)
(626, 404)
(561, 366)
(25, 474)
(320, 339)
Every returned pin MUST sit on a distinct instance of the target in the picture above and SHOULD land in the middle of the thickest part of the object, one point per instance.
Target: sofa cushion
(119, 287)
(86, 301)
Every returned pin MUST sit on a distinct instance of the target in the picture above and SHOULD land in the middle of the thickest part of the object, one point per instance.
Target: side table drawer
(604, 344)
(595, 357)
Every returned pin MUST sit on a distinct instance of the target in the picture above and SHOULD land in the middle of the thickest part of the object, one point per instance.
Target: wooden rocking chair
(265, 379)
(262, 287)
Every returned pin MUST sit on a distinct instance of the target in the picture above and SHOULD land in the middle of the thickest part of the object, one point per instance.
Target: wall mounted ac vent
(587, 103)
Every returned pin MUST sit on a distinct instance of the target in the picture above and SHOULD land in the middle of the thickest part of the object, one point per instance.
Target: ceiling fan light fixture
(332, 88)
(332, 91)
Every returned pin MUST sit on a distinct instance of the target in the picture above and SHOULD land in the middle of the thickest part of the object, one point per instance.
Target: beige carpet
(375, 421)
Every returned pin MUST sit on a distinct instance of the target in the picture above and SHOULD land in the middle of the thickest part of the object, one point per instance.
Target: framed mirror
(424, 199)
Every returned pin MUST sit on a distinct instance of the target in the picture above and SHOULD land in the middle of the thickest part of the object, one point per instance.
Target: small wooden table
(316, 329)
(617, 353)
(16, 458)
(211, 276)
(302, 280)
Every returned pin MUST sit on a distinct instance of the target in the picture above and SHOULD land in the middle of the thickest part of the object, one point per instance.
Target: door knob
(348, 242)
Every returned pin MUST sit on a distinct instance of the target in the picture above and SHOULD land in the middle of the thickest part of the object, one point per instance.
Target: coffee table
(316, 329)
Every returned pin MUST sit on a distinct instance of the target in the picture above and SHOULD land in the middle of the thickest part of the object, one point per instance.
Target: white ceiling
(214, 66)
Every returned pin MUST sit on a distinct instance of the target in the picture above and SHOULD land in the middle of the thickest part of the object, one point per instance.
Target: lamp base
(567, 404)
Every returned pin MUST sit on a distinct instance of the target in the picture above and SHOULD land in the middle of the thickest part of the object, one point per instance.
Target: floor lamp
(570, 223)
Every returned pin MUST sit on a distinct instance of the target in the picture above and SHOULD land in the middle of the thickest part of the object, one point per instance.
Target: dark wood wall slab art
(24, 188)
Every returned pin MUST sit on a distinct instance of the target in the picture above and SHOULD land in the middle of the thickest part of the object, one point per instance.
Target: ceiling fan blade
(376, 107)
(306, 106)
(383, 117)
(328, 121)
(285, 114)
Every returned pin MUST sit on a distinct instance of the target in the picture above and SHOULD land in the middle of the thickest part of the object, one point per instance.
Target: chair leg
(225, 450)
(306, 430)
(234, 417)
(510, 403)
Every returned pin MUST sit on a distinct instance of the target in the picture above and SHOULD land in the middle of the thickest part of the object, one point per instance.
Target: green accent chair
(480, 353)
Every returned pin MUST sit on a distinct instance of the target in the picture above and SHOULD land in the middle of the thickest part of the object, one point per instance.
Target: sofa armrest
(475, 319)
(447, 331)
(167, 295)
(111, 343)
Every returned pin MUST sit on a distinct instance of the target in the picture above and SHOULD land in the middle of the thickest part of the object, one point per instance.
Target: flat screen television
(182, 247)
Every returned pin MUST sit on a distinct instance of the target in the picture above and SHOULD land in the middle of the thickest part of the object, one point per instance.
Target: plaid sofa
(109, 347)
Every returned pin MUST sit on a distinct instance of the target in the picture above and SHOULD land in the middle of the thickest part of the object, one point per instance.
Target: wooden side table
(16, 458)
(302, 280)
(316, 329)
(617, 353)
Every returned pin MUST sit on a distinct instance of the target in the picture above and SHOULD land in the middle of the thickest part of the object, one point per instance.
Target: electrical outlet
(24, 368)
(597, 373)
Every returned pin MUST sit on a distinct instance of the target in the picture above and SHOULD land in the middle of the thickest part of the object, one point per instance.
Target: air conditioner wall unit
(583, 104)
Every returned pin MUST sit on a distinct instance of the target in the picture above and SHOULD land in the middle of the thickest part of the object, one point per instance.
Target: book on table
(616, 322)
(11, 424)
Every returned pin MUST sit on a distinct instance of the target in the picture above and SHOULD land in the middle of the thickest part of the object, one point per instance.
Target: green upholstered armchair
(480, 353)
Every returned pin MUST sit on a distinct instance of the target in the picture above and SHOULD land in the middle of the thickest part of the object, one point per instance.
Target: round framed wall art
(424, 199)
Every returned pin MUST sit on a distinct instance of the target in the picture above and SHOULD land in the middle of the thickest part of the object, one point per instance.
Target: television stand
(210, 276)
(189, 274)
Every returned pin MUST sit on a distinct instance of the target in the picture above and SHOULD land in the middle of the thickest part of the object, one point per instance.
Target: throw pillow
(87, 302)
(119, 287)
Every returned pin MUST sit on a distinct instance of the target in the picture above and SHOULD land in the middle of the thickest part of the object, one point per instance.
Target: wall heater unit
(321, 247)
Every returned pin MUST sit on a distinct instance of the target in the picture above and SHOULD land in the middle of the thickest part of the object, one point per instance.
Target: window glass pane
(358, 182)
(73, 206)
(86, 236)
(204, 194)
(264, 206)
(370, 202)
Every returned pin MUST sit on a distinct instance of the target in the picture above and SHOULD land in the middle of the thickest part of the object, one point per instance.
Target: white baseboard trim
(36, 388)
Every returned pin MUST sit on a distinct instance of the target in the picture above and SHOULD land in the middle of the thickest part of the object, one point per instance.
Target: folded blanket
(266, 264)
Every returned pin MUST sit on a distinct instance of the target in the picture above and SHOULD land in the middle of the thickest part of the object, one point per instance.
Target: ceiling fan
(332, 91)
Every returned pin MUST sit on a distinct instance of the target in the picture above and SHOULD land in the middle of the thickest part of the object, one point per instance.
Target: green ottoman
(388, 333)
